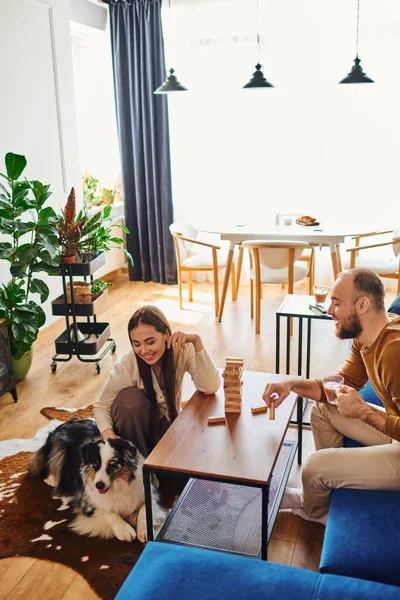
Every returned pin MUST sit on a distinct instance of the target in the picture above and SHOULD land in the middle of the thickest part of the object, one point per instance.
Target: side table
(296, 306)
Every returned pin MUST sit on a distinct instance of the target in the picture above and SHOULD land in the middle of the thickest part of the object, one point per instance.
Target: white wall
(37, 110)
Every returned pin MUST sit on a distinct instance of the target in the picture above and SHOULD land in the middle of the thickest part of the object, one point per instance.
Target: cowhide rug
(33, 524)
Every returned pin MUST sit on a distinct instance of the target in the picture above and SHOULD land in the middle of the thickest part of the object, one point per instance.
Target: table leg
(300, 347)
(264, 521)
(287, 345)
(299, 429)
(308, 358)
(277, 343)
(239, 270)
(335, 262)
(147, 499)
(226, 280)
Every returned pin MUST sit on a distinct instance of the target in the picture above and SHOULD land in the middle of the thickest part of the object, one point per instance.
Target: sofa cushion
(332, 587)
(171, 572)
(361, 535)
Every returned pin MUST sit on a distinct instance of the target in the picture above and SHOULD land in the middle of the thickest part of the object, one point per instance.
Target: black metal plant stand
(95, 334)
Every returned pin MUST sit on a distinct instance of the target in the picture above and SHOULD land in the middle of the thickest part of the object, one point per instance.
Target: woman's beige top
(125, 373)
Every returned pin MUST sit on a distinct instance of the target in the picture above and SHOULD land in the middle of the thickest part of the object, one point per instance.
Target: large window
(95, 107)
(309, 145)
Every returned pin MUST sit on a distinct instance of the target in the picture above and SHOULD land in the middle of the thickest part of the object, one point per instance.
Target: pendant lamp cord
(358, 25)
(258, 35)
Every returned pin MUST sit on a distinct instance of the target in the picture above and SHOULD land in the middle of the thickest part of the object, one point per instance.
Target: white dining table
(318, 235)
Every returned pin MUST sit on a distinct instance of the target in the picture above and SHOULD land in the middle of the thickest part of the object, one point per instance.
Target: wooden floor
(75, 384)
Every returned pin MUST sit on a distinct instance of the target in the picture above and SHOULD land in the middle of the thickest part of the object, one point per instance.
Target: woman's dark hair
(151, 315)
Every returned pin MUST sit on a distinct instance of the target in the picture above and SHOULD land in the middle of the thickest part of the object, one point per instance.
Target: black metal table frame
(266, 528)
(289, 316)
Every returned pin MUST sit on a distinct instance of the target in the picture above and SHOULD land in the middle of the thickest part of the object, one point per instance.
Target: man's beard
(351, 329)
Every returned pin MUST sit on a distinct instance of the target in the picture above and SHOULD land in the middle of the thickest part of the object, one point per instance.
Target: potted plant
(70, 230)
(97, 235)
(99, 287)
(30, 247)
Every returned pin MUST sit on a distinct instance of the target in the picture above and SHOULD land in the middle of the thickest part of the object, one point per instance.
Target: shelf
(82, 269)
(95, 333)
(59, 308)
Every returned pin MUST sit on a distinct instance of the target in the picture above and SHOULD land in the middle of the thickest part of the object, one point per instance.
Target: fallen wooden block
(183, 403)
(216, 420)
(256, 410)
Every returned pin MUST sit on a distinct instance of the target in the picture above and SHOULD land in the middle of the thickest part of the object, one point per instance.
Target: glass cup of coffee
(320, 293)
(331, 383)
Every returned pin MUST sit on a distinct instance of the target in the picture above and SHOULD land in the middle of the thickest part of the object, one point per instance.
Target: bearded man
(358, 310)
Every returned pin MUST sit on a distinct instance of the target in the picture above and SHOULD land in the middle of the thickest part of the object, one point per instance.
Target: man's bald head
(364, 282)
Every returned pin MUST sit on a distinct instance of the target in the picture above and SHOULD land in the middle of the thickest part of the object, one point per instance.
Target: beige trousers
(375, 467)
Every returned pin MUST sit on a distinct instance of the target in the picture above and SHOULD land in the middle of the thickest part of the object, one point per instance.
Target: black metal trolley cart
(95, 334)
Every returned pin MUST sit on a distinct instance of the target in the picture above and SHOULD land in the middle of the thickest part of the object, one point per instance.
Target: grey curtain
(142, 120)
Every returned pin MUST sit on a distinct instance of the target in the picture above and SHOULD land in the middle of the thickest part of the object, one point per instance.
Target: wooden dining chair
(385, 264)
(274, 262)
(308, 256)
(195, 255)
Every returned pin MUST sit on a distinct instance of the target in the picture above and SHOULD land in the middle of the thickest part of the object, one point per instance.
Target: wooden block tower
(233, 385)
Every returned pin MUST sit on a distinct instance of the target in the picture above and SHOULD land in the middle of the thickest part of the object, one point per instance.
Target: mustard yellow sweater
(380, 363)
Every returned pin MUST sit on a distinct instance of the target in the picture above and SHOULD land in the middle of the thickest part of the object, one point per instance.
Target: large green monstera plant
(29, 243)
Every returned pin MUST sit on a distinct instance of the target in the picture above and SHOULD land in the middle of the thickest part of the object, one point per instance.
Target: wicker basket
(82, 292)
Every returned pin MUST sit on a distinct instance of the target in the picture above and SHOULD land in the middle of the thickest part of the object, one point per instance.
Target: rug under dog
(64, 414)
(33, 524)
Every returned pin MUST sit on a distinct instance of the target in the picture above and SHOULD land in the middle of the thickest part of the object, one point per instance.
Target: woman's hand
(179, 339)
(109, 434)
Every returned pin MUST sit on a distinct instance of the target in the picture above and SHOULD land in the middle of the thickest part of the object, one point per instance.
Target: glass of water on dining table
(331, 383)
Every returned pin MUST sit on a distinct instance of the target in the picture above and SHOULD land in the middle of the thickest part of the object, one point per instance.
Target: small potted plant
(70, 230)
(97, 235)
(99, 287)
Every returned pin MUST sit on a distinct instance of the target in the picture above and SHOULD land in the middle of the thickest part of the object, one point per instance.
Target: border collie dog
(101, 479)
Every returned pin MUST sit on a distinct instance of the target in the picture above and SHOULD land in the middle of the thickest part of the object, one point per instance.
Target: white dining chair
(382, 256)
(275, 262)
(194, 255)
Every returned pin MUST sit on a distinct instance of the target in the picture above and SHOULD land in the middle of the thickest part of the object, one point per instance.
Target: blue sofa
(170, 572)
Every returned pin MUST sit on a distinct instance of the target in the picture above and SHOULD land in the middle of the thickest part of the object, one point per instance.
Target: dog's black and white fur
(101, 479)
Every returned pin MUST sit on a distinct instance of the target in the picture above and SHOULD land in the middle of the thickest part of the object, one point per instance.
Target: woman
(142, 395)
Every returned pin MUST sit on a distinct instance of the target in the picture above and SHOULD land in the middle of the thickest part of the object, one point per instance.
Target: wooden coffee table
(242, 452)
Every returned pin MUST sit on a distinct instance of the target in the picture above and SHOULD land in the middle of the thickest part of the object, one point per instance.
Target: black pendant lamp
(171, 83)
(258, 80)
(356, 74)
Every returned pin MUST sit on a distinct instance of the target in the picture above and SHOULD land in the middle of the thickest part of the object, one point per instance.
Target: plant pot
(87, 256)
(22, 365)
(68, 259)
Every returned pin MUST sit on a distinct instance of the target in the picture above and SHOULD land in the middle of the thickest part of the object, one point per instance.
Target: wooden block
(233, 404)
(234, 369)
(216, 420)
(233, 410)
(234, 392)
(183, 403)
(233, 384)
(233, 359)
(272, 411)
(257, 410)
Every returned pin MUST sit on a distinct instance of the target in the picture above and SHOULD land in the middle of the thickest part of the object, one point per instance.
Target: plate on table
(307, 221)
